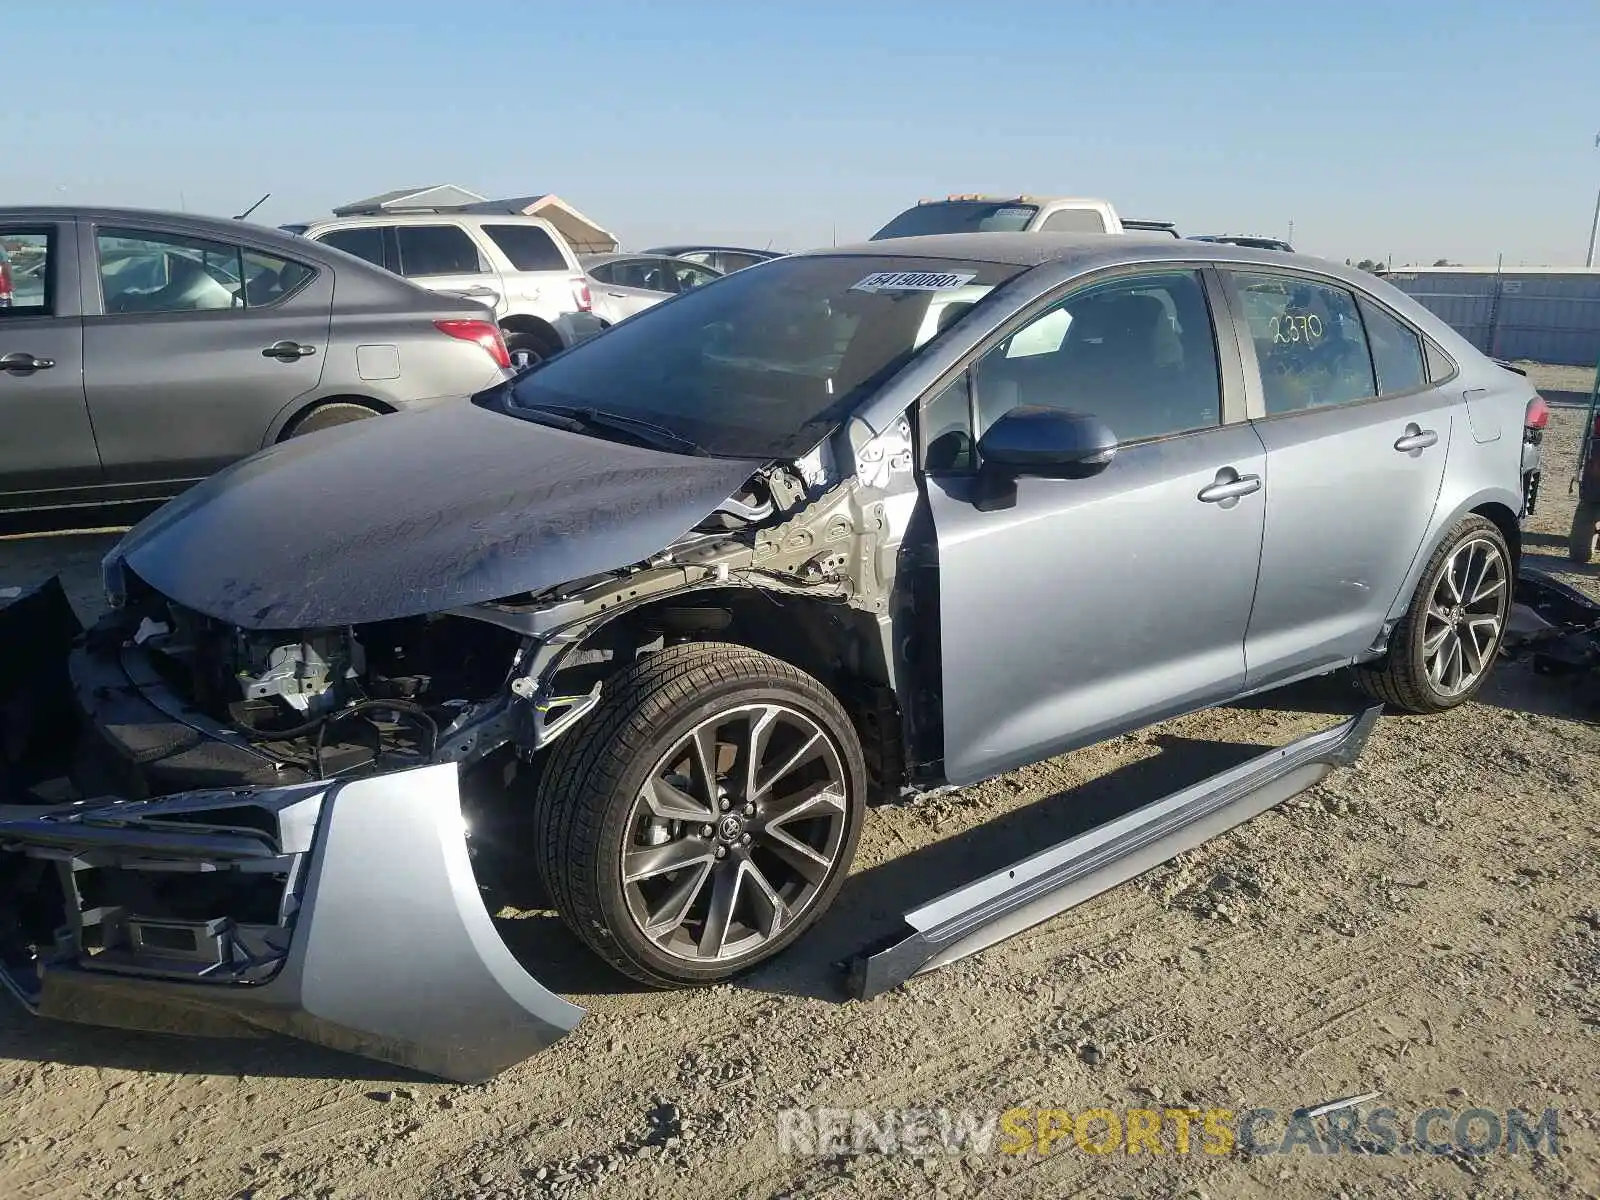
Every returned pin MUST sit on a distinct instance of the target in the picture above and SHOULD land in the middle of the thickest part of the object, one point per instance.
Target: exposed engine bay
(457, 686)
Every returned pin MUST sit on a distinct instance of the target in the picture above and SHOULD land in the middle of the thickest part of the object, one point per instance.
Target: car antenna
(253, 207)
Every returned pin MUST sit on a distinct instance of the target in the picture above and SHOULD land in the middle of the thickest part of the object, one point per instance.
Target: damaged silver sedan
(670, 609)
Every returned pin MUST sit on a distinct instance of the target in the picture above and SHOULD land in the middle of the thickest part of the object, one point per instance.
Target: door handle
(288, 351)
(618, 295)
(1415, 438)
(1229, 486)
(23, 363)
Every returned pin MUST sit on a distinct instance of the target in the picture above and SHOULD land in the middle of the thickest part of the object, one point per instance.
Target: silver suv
(520, 266)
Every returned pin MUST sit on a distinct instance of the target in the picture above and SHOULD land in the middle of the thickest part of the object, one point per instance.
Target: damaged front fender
(345, 914)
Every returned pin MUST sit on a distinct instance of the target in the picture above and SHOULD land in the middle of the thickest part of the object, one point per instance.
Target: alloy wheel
(735, 833)
(1466, 613)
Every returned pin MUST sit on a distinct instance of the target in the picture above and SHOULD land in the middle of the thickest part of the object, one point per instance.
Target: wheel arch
(1499, 505)
(527, 323)
(838, 645)
(296, 413)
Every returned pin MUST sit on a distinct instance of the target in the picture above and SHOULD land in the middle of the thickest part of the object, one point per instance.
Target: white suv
(519, 266)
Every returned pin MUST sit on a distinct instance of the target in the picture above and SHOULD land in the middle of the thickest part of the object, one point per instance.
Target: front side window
(1396, 352)
(437, 250)
(1310, 346)
(1138, 352)
(168, 273)
(363, 241)
(766, 363)
(25, 280)
(527, 246)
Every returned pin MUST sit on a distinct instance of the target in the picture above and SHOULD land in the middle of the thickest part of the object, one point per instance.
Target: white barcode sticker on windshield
(914, 281)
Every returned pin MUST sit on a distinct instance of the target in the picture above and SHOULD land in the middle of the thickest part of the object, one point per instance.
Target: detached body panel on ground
(851, 525)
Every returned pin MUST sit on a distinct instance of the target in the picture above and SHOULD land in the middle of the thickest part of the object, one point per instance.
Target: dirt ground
(1423, 926)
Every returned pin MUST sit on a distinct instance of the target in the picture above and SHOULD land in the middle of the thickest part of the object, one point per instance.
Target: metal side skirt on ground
(386, 950)
(1018, 897)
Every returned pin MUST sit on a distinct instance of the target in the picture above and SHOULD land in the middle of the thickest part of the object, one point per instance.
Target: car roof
(217, 226)
(1083, 250)
(680, 247)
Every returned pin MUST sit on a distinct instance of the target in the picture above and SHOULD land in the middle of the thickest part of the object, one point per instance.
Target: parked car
(624, 284)
(724, 259)
(845, 526)
(1250, 240)
(142, 351)
(1004, 214)
(520, 266)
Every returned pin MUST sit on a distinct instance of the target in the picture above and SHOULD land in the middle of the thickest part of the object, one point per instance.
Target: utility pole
(1594, 224)
(1290, 238)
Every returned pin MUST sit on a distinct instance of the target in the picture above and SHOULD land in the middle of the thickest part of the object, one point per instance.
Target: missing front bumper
(381, 945)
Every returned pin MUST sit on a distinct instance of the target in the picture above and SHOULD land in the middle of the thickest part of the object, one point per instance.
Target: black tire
(590, 783)
(528, 348)
(1582, 539)
(1401, 678)
(325, 416)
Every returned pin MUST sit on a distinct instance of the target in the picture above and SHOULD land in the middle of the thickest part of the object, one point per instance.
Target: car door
(1072, 609)
(193, 346)
(46, 439)
(631, 285)
(1355, 460)
(445, 258)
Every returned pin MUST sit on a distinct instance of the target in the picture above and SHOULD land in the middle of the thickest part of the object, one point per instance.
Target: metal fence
(1549, 316)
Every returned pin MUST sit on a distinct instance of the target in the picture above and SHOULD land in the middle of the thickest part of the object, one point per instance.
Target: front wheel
(703, 816)
(1442, 649)
(1583, 541)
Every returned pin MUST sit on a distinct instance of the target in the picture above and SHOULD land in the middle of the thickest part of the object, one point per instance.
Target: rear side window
(1440, 366)
(1396, 352)
(528, 247)
(1309, 341)
(366, 242)
(25, 273)
(437, 250)
(1074, 220)
(167, 273)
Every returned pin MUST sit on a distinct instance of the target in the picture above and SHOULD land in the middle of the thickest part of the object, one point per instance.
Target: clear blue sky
(1425, 129)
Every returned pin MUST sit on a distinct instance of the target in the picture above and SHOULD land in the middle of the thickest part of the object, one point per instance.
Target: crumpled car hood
(414, 513)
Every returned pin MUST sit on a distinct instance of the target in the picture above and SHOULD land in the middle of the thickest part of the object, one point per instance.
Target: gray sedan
(142, 351)
(855, 525)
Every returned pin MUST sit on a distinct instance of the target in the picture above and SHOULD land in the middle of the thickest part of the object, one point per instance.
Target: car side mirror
(1051, 442)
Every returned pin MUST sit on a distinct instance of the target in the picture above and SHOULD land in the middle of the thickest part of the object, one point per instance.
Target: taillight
(581, 294)
(5, 283)
(1538, 414)
(485, 333)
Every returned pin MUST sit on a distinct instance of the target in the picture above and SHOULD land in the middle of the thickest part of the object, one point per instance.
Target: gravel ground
(1423, 925)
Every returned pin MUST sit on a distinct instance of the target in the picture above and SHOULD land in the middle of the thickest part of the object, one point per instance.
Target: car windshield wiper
(579, 420)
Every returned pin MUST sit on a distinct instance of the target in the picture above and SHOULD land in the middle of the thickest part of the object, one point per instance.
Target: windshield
(761, 364)
(960, 216)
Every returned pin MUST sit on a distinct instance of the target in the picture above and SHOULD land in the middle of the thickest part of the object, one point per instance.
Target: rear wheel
(1583, 542)
(704, 816)
(528, 349)
(1442, 649)
(325, 416)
